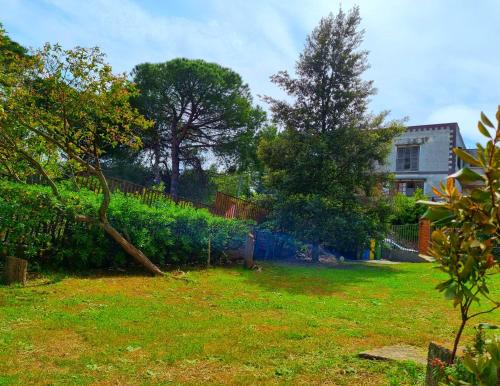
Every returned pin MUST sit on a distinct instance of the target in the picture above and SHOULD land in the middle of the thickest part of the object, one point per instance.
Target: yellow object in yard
(372, 249)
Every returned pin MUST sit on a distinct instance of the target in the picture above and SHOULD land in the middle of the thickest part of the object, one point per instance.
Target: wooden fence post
(209, 252)
(424, 236)
(249, 249)
(15, 270)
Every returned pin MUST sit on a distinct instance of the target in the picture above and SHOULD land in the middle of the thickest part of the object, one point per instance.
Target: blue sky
(432, 61)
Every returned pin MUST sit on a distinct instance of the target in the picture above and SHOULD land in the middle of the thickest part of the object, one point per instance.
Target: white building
(422, 157)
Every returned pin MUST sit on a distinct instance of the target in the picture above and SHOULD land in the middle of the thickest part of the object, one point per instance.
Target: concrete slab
(381, 261)
(427, 258)
(397, 353)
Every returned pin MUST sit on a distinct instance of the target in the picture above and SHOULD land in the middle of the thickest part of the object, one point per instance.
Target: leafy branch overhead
(466, 242)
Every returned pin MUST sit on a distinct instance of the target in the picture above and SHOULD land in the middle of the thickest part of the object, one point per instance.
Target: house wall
(436, 159)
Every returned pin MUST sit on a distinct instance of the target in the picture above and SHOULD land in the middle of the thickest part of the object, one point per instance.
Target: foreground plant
(71, 103)
(465, 244)
(479, 365)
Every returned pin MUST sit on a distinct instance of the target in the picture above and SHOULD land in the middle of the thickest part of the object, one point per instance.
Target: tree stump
(249, 249)
(15, 270)
(435, 352)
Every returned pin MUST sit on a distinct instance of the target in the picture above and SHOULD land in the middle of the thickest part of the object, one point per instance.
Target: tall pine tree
(326, 156)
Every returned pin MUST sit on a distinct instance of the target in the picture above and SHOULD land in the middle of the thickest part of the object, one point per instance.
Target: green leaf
(466, 271)
(469, 363)
(489, 326)
(493, 349)
(458, 298)
(437, 213)
(466, 157)
(465, 175)
(442, 286)
(486, 121)
(478, 195)
(450, 292)
(483, 130)
(430, 203)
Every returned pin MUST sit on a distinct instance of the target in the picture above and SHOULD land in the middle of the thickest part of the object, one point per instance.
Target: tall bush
(168, 233)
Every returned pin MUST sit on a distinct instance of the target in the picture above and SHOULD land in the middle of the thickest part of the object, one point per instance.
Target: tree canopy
(196, 107)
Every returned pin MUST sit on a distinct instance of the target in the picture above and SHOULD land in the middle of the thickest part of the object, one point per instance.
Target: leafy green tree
(330, 145)
(464, 245)
(72, 101)
(19, 152)
(196, 107)
(10, 51)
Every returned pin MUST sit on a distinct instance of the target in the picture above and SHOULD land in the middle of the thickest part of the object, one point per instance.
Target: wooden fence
(53, 229)
(233, 207)
(225, 205)
(147, 195)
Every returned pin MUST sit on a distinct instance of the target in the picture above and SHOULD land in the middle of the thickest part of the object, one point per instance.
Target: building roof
(434, 126)
(440, 126)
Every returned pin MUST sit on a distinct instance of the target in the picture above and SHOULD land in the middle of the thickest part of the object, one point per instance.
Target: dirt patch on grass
(196, 372)
(60, 344)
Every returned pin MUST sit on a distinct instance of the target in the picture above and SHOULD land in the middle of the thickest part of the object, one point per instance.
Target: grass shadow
(319, 279)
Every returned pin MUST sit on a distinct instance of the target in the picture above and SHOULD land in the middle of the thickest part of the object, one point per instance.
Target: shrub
(43, 230)
(407, 209)
(320, 220)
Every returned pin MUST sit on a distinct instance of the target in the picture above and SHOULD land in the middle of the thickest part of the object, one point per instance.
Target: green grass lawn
(286, 324)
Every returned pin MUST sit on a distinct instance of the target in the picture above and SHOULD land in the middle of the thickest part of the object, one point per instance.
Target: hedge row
(35, 224)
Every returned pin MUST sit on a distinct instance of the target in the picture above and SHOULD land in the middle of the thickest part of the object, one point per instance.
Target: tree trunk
(130, 249)
(15, 270)
(156, 164)
(315, 253)
(174, 178)
(457, 340)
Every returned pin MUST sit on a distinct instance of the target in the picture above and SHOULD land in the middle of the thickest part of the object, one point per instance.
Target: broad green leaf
(450, 292)
(469, 363)
(437, 213)
(458, 298)
(486, 121)
(494, 349)
(466, 271)
(442, 286)
(488, 326)
(478, 195)
(467, 175)
(483, 130)
(466, 157)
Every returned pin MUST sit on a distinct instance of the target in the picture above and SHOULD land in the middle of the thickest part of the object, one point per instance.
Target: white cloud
(431, 60)
(466, 117)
